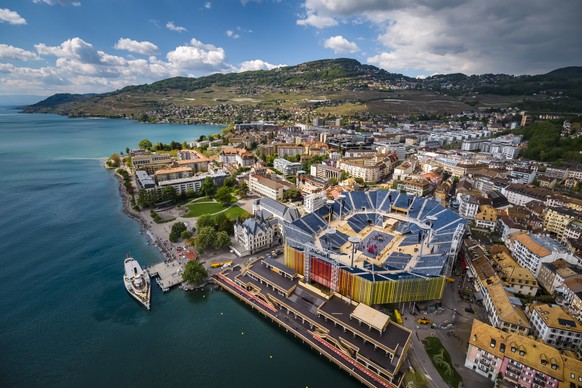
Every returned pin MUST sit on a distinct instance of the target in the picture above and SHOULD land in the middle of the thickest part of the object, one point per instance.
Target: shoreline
(145, 225)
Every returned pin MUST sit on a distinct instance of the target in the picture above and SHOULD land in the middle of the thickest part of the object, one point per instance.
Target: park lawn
(234, 212)
(196, 210)
(441, 360)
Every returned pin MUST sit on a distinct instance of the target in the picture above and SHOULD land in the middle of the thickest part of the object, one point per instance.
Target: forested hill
(343, 82)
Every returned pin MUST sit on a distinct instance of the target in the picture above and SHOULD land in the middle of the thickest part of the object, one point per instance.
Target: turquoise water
(65, 317)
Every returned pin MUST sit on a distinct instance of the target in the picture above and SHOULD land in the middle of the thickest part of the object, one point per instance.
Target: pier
(351, 336)
(168, 273)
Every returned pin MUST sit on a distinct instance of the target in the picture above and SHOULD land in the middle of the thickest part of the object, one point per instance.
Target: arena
(376, 247)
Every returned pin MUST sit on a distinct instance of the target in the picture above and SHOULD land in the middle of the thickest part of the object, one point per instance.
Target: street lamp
(341, 199)
(329, 203)
(329, 232)
(354, 240)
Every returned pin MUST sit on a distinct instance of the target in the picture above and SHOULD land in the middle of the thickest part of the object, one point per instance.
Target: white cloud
(198, 56)
(232, 34)
(317, 21)
(172, 27)
(471, 36)
(208, 5)
(11, 52)
(134, 46)
(257, 64)
(11, 17)
(340, 45)
(74, 3)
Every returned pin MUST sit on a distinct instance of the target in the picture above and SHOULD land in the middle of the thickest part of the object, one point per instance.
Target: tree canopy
(223, 195)
(177, 230)
(145, 144)
(205, 238)
(208, 187)
(194, 273)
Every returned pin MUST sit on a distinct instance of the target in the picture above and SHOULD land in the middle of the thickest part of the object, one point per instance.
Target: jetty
(167, 273)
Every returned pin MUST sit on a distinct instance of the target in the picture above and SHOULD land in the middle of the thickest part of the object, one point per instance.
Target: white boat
(137, 281)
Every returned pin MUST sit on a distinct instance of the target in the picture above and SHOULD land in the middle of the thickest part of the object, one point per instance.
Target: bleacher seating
(397, 260)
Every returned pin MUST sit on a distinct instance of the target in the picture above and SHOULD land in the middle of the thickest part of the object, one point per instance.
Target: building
(173, 173)
(571, 291)
(238, 156)
(193, 159)
(416, 186)
(503, 309)
(519, 194)
(325, 172)
(183, 185)
(144, 181)
(468, 206)
(254, 234)
(370, 169)
(314, 202)
(555, 326)
(519, 360)
(289, 150)
(392, 263)
(531, 250)
(486, 217)
(286, 167)
(402, 171)
(557, 219)
(266, 187)
(150, 163)
(367, 343)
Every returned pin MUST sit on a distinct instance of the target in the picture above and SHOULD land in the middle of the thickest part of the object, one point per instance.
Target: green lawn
(197, 209)
(234, 212)
(442, 361)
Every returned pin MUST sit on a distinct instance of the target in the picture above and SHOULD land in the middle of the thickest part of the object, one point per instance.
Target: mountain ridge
(358, 87)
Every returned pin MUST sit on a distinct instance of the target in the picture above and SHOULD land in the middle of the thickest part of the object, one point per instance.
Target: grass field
(441, 360)
(197, 209)
(201, 206)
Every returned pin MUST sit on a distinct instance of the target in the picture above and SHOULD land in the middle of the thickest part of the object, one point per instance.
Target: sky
(87, 46)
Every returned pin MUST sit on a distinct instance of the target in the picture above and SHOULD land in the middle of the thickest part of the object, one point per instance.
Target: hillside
(326, 87)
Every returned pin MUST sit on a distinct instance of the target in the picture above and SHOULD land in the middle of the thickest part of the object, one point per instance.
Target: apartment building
(519, 360)
(557, 219)
(531, 250)
(555, 326)
(486, 217)
(266, 187)
(173, 173)
(286, 167)
(370, 169)
(313, 202)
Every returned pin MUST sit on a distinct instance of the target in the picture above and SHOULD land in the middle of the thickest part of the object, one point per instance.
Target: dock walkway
(168, 273)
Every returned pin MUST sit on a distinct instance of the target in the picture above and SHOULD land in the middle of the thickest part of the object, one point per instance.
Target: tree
(243, 190)
(205, 238)
(223, 224)
(169, 193)
(332, 181)
(194, 273)
(223, 195)
(205, 220)
(291, 194)
(114, 161)
(145, 144)
(208, 187)
(222, 240)
(345, 175)
(229, 182)
(176, 232)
